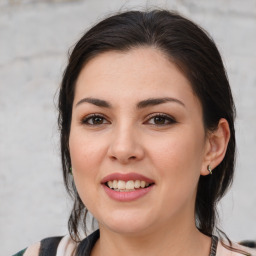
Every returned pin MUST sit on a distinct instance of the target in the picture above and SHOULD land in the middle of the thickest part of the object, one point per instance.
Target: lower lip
(127, 196)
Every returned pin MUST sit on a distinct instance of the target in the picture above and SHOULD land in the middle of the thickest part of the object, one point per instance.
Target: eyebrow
(140, 105)
(94, 101)
(157, 101)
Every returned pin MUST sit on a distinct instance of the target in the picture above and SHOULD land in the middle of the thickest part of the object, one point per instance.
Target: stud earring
(209, 169)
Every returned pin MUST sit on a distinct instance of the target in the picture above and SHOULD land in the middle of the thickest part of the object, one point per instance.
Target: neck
(173, 240)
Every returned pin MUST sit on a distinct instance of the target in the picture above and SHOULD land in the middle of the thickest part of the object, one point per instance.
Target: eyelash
(168, 118)
(87, 118)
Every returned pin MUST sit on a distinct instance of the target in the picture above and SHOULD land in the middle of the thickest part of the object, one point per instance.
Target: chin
(127, 229)
(127, 224)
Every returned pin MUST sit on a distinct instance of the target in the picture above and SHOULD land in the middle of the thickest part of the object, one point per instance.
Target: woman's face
(136, 126)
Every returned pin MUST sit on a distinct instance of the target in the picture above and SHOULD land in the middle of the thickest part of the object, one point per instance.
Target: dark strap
(49, 246)
(86, 245)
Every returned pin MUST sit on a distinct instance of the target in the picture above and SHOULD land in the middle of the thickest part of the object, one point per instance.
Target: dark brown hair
(194, 52)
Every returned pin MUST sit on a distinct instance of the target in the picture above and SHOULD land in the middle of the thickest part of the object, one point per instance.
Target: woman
(147, 139)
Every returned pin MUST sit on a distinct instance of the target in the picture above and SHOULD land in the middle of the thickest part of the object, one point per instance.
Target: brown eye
(161, 120)
(94, 120)
(97, 120)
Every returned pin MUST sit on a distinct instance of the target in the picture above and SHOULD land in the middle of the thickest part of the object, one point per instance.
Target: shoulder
(51, 246)
(32, 250)
(237, 249)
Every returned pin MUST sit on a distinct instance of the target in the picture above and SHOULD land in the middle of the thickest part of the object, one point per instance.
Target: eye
(161, 120)
(94, 119)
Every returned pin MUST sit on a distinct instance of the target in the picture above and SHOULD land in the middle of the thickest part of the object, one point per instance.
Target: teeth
(120, 185)
(129, 184)
(137, 184)
(114, 183)
(110, 184)
(143, 184)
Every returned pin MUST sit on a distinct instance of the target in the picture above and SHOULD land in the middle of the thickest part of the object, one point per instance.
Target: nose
(125, 146)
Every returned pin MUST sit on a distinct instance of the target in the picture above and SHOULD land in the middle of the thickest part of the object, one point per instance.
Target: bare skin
(172, 149)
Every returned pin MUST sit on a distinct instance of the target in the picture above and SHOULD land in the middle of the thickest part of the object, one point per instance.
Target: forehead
(140, 72)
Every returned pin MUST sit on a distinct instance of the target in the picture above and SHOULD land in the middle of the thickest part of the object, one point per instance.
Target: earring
(70, 171)
(209, 169)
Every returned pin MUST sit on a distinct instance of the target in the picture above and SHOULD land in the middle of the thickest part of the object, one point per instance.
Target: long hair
(195, 54)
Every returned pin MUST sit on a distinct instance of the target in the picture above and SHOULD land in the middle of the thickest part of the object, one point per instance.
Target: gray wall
(34, 39)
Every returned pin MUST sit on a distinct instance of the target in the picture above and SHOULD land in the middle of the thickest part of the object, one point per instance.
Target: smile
(126, 186)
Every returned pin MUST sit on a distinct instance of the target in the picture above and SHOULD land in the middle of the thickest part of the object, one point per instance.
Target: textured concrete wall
(34, 38)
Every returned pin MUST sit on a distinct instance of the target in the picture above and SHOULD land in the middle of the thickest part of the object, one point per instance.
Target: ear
(216, 146)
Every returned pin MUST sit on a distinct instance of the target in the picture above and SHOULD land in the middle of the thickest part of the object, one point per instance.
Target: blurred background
(35, 36)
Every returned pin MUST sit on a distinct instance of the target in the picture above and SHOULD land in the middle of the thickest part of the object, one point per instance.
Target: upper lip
(126, 177)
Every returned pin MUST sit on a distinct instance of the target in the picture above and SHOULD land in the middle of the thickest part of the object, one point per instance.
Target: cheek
(176, 150)
(84, 151)
(83, 159)
(178, 158)
(177, 161)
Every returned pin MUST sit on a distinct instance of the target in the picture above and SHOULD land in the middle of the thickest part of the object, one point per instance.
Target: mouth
(127, 186)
